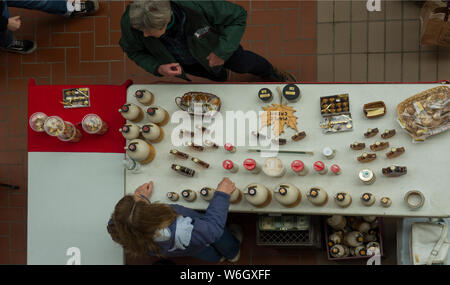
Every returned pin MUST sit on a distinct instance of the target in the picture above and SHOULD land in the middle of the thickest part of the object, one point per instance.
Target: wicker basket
(423, 132)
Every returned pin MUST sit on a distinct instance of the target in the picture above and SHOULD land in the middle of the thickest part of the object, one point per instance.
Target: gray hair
(149, 14)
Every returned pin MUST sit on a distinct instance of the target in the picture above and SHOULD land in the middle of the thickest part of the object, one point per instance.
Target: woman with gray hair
(202, 38)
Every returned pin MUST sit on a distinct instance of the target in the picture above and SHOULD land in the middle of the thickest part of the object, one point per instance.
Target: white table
(71, 196)
(427, 163)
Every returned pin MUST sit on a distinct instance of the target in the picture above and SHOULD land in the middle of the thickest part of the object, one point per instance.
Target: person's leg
(50, 6)
(228, 245)
(6, 37)
(244, 61)
(209, 254)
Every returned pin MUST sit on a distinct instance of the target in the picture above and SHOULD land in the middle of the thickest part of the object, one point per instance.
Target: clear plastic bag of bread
(426, 114)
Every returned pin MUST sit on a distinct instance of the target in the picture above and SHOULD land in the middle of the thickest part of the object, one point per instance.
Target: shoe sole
(33, 49)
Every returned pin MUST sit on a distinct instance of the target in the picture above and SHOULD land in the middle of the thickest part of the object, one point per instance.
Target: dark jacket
(211, 26)
(3, 20)
(208, 227)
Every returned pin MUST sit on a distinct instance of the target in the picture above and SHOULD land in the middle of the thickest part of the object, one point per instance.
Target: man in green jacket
(202, 38)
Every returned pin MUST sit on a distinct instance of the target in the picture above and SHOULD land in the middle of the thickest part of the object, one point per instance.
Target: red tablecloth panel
(105, 101)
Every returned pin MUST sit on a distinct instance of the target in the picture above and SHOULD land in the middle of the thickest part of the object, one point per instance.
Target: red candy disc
(335, 168)
(319, 166)
(228, 164)
(297, 165)
(228, 146)
(250, 164)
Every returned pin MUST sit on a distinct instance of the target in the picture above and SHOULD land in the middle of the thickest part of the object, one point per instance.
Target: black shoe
(280, 76)
(21, 46)
(83, 8)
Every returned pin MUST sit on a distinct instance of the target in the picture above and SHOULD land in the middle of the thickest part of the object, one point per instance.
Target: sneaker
(236, 231)
(280, 76)
(80, 8)
(21, 46)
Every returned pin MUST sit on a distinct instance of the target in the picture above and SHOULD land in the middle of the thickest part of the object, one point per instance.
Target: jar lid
(146, 129)
(319, 166)
(335, 168)
(125, 129)
(228, 164)
(291, 92)
(265, 94)
(282, 190)
(366, 197)
(228, 146)
(124, 108)
(366, 175)
(250, 164)
(252, 190)
(327, 151)
(314, 192)
(204, 191)
(340, 196)
(297, 165)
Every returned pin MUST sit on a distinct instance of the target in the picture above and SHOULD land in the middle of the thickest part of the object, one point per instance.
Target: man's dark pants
(241, 61)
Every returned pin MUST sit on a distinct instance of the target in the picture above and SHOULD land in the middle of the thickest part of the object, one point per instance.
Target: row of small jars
(260, 196)
(65, 130)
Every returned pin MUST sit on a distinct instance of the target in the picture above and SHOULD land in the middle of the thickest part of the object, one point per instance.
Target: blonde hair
(135, 224)
(150, 14)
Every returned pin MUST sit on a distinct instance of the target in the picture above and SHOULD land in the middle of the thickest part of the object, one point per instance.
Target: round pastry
(257, 195)
(288, 195)
(207, 193)
(140, 151)
(144, 97)
(153, 133)
(343, 199)
(158, 115)
(132, 112)
(130, 131)
(317, 196)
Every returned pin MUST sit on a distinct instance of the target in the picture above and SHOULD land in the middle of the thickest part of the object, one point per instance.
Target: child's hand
(14, 23)
(145, 189)
(226, 185)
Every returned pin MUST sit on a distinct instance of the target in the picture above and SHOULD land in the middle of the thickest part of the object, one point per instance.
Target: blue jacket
(207, 227)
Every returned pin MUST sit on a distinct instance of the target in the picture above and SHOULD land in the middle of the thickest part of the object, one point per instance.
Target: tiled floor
(317, 41)
(354, 45)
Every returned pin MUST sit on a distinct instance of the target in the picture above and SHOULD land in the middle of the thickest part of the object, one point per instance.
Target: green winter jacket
(211, 26)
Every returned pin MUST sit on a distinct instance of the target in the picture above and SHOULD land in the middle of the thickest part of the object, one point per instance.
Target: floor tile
(428, 66)
(325, 38)
(358, 68)
(342, 38)
(325, 11)
(359, 37)
(393, 67)
(411, 67)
